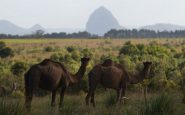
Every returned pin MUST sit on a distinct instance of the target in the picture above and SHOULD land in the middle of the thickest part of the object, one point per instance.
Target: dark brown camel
(2, 91)
(51, 75)
(114, 78)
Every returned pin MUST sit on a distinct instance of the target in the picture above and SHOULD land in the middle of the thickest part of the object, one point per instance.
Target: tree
(38, 33)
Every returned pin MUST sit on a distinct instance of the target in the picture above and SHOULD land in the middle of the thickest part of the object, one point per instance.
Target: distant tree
(38, 33)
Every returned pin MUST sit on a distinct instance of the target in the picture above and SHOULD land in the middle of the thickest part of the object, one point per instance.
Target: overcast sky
(75, 13)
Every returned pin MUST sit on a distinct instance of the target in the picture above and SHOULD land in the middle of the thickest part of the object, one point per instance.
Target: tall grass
(160, 105)
(11, 108)
(105, 105)
(110, 99)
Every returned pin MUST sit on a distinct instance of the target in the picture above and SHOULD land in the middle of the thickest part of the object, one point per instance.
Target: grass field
(105, 105)
(29, 48)
(33, 51)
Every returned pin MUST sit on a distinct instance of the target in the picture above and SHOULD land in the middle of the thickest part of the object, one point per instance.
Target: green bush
(48, 49)
(6, 52)
(18, 68)
(2, 45)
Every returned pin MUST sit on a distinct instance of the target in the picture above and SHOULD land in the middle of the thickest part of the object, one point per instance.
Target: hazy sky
(75, 13)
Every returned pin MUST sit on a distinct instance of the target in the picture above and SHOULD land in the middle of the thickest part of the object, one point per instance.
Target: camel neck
(142, 75)
(80, 72)
(145, 72)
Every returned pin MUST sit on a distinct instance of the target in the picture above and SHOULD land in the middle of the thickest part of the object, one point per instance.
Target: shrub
(2, 45)
(18, 68)
(6, 52)
(71, 48)
(48, 49)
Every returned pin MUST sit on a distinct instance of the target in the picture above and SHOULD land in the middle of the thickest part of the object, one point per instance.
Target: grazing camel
(2, 91)
(114, 78)
(50, 75)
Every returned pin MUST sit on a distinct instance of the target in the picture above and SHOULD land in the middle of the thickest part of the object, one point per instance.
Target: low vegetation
(166, 75)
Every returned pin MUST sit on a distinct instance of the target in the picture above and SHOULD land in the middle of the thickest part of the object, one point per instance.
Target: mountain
(7, 27)
(36, 27)
(163, 27)
(101, 21)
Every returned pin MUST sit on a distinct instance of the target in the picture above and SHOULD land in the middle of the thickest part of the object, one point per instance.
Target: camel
(50, 75)
(112, 76)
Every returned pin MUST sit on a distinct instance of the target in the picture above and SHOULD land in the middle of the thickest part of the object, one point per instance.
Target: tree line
(144, 33)
(113, 33)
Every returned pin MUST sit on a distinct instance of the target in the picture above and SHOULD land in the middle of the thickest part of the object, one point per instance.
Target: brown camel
(2, 91)
(113, 77)
(50, 75)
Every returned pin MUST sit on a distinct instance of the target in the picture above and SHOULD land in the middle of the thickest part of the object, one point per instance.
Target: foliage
(17, 94)
(5, 51)
(18, 68)
(143, 33)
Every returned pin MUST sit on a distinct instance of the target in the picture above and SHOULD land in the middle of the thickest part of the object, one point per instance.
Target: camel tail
(26, 81)
(28, 85)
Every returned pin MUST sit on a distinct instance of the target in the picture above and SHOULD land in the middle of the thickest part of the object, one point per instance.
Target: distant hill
(7, 27)
(101, 21)
(163, 27)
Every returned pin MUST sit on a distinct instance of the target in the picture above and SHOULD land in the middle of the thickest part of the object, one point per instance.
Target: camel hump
(147, 63)
(108, 62)
(45, 61)
(55, 63)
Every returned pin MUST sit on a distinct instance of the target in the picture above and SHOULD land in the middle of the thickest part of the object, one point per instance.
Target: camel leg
(92, 99)
(119, 96)
(62, 95)
(29, 96)
(123, 93)
(53, 98)
(87, 97)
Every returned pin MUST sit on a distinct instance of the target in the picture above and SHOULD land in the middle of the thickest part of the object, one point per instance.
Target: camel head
(147, 64)
(85, 61)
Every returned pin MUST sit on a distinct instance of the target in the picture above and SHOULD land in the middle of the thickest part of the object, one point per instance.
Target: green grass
(75, 105)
